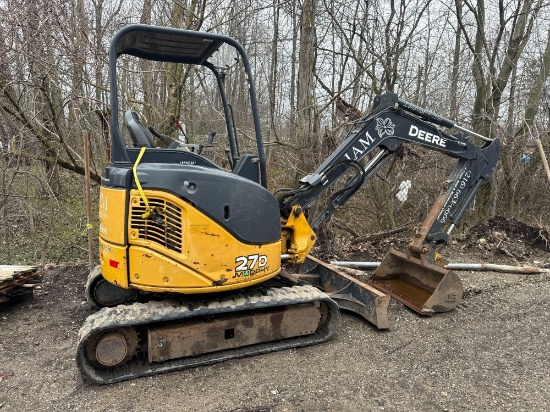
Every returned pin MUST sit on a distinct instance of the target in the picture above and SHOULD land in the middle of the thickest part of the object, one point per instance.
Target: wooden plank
(16, 268)
(16, 280)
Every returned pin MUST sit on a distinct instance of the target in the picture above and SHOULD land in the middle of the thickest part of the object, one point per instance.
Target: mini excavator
(191, 254)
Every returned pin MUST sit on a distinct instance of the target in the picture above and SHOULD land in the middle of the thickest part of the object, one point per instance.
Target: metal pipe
(474, 133)
(356, 265)
(492, 267)
(488, 267)
(451, 228)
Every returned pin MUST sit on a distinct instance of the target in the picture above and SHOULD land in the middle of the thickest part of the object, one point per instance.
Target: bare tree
(495, 57)
(306, 130)
(190, 17)
(514, 179)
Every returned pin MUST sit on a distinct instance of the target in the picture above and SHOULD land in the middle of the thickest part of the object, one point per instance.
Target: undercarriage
(141, 339)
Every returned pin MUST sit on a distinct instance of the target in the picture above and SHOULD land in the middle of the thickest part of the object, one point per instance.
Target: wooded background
(317, 65)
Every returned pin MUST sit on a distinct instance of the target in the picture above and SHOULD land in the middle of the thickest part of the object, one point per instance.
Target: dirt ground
(491, 353)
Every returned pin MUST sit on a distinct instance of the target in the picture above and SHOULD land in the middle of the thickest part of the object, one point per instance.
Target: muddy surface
(491, 353)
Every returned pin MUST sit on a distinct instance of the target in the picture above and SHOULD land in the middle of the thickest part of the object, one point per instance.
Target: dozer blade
(422, 286)
(351, 294)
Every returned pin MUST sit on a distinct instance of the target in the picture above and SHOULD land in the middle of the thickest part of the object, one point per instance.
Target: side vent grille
(163, 227)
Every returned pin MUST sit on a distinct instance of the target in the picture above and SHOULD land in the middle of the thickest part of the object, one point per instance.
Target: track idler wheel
(113, 348)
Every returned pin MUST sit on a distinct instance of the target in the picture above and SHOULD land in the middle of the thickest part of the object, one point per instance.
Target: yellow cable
(138, 184)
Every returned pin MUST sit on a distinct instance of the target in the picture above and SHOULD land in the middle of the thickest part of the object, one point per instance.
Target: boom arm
(373, 140)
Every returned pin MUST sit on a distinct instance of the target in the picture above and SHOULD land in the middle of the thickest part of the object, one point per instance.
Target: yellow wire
(138, 184)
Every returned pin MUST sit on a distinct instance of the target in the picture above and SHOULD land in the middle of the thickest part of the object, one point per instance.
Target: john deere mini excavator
(191, 253)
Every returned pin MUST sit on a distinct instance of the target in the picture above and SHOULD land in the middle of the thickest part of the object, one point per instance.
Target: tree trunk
(175, 73)
(481, 98)
(514, 175)
(273, 74)
(293, 85)
(453, 111)
(305, 90)
(173, 76)
(533, 99)
(145, 67)
(491, 80)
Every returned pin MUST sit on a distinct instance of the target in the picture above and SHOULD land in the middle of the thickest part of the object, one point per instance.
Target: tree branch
(62, 163)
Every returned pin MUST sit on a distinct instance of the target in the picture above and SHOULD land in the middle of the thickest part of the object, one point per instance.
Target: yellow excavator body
(184, 251)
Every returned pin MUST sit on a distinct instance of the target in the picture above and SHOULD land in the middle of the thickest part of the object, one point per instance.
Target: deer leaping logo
(384, 126)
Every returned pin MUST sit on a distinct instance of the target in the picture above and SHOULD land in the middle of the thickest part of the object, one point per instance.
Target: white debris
(404, 187)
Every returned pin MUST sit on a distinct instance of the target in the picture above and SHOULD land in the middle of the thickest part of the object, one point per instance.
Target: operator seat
(139, 134)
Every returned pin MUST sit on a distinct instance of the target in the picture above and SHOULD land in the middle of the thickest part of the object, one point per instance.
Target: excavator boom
(416, 277)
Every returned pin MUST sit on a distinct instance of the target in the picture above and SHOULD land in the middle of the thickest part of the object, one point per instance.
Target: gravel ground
(491, 353)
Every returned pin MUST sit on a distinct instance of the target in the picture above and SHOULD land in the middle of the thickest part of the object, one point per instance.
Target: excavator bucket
(417, 283)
